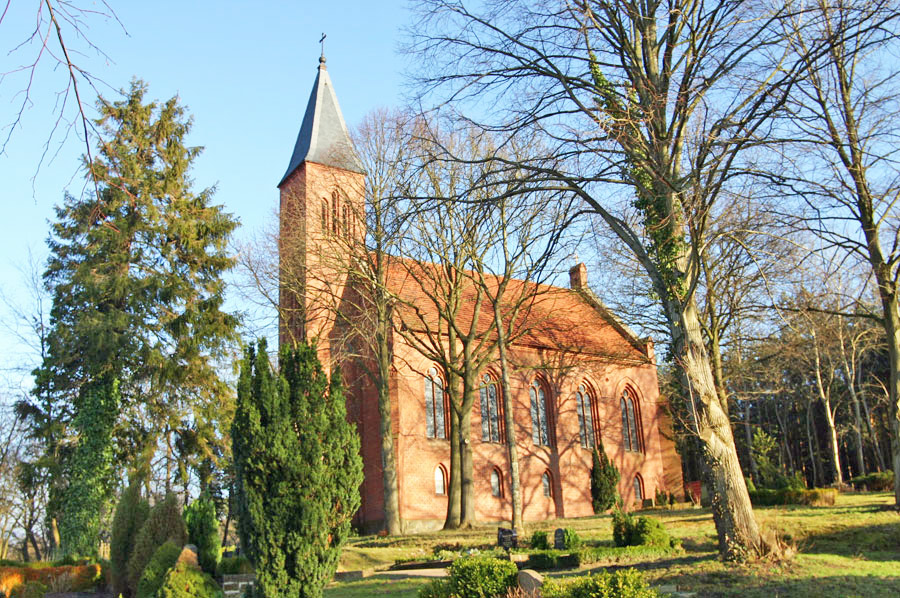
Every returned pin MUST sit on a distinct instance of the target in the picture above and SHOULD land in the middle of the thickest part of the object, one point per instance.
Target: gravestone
(530, 583)
(507, 538)
(559, 539)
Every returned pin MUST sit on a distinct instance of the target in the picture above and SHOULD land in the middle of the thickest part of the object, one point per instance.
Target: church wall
(567, 462)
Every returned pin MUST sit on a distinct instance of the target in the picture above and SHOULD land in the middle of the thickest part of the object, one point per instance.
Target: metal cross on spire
(322, 41)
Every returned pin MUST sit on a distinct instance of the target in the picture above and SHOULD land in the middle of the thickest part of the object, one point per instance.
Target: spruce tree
(136, 278)
(298, 471)
(604, 478)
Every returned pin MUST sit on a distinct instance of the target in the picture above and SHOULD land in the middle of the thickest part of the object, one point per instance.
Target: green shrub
(622, 524)
(235, 565)
(640, 531)
(624, 583)
(29, 589)
(155, 572)
(572, 541)
(589, 556)
(604, 478)
(479, 577)
(438, 588)
(539, 541)
(163, 523)
(875, 482)
(184, 581)
(131, 512)
(203, 532)
(817, 497)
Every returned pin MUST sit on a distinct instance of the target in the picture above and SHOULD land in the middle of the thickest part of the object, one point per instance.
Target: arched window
(585, 406)
(539, 428)
(631, 423)
(324, 216)
(335, 213)
(496, 483)
(434, 406)
(440, 480)
(490, 411)
(346, 221)
(548, 486)
(638, 488)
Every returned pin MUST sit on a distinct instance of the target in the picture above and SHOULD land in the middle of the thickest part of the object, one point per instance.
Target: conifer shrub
(154, 573)
(130, 515)
(203, 532)
(298, 471)
(480, 577)
(163, 523)
(539, 541)
(438, 588)
(185, 581)
(875, 482)
(604, 478)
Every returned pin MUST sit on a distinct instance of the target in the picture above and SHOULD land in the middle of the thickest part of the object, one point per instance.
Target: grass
(850, 549)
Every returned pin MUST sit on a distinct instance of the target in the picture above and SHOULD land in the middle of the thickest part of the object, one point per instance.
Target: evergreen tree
(203, 532)
(90, 471)
(298, 471)
(604, 477)
(131, 513)
(137, 290)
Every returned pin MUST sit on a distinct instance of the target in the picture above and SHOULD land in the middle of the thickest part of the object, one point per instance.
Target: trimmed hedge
(817, 497)
(875, 482)
(640, 531)
(625, 583)
(556, 559)
(234, 565)
(84, 577)
(539, 541)
(479, 577)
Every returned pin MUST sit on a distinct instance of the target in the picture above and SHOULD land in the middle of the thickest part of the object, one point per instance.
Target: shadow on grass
(857, 539)
(842, 586)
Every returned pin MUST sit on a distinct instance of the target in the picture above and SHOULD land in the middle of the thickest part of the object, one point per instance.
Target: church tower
(322, 219)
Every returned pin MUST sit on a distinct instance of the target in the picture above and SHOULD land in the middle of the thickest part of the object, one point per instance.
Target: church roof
(323, 135)
(550, 317)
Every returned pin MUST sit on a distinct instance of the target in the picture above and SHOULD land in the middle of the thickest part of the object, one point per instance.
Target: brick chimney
(578, 277)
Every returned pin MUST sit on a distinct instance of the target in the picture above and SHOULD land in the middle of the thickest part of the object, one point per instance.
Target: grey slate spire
(323, 135)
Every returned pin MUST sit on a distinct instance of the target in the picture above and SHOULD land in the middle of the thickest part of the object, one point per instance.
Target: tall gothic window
(434, 406)
(346, 221)
(546, 483)
(638, 488)
(440, 480)
(539, 428)
(324, 216)
(585, 406)
(335, 213)
(631, 423)
(496, 483)
(490, 410)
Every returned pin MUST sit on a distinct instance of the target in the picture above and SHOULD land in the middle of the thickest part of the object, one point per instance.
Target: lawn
(850, 549)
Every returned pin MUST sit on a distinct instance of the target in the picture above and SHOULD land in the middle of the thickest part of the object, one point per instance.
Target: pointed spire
(323, 135)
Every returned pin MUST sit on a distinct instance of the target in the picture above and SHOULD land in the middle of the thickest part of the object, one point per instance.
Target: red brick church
(580, 374)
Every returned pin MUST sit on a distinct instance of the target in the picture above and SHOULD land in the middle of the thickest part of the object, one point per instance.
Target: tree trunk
(829, 416)
(467, 490)
(454, 486)
(785, 445)
(748, 437)
(509, 423)
(892, 327)
(388, 458)
(876, 446)
(812, 439)
(857, 428)
(737, 529)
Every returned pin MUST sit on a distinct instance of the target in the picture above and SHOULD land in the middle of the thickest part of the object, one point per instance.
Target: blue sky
(244, 71)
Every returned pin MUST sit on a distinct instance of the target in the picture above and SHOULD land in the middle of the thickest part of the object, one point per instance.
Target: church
(580, 375)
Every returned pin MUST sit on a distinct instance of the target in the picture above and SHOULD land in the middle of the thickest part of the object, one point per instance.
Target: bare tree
(844, 120)
(58, 39)
(659, 99)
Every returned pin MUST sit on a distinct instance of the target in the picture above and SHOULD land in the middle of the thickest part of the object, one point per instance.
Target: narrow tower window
(434, 406)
